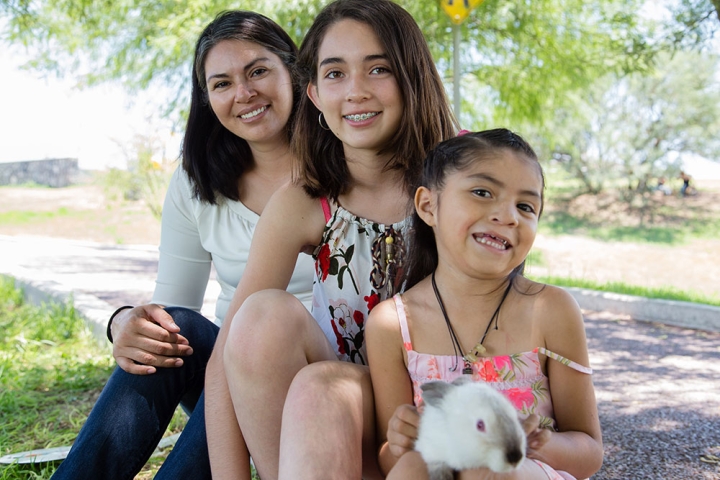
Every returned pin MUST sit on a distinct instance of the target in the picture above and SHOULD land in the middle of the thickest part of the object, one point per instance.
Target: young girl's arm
(577, 446)
(396, 417)
(291, 221)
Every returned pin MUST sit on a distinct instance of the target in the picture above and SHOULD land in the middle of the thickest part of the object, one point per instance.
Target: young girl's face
(486, 215)
(356, 89)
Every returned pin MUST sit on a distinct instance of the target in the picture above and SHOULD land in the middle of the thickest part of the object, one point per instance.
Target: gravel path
(658, 392)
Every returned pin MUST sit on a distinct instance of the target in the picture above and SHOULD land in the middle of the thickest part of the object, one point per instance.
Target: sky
(49, 118)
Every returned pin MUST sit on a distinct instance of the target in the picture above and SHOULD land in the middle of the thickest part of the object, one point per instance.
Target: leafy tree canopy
(519, 57)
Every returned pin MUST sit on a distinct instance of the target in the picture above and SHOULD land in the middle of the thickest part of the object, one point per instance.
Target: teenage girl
(374, 106)
(469, 311)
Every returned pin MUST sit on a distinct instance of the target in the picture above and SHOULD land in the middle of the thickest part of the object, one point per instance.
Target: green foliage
(628, 131)
(520, 59)
(145, 179)
(667, 293)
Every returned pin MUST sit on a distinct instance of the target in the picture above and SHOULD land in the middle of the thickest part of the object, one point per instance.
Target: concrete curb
(669, 312)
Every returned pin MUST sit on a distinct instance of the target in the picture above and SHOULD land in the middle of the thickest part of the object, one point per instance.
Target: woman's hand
(403, 430)
(145, 337)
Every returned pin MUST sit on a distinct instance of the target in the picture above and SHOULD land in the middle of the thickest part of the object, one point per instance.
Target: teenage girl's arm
(290, 222)
(396, 418)
(577, 446)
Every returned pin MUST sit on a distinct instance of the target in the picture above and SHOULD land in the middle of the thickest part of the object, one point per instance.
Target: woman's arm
(397, 418)
(290, 222)
(577, 446)
(147, 334)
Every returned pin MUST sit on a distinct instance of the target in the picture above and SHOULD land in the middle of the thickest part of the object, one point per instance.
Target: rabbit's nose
(513, 456)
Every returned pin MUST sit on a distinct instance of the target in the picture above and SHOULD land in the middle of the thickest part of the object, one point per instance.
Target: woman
(235, 155)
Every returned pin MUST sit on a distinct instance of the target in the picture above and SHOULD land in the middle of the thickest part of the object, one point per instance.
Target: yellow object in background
(458, 10)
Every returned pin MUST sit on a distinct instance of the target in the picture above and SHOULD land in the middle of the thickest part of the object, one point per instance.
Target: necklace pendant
(467, 369)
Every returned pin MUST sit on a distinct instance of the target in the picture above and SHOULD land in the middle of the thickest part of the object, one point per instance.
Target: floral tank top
(517, 376)
(357, 265)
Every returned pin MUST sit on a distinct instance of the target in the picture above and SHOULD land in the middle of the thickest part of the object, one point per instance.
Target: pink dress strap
(564, 361)
(402, 319)
(326, 208)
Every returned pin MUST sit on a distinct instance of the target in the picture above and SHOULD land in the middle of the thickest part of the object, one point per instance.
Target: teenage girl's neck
(374, 192)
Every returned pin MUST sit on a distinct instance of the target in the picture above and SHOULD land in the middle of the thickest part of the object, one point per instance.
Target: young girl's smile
(485, 217)
(356, 89)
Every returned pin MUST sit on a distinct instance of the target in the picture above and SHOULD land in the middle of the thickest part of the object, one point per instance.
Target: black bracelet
(109, 334)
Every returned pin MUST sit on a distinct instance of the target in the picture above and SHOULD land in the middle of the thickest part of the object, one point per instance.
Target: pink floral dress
(356, 267)
(517, 376)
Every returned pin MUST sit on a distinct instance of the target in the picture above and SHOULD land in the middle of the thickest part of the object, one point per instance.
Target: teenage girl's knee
(262, 325)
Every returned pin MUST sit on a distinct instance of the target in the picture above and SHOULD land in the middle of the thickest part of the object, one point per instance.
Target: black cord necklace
(479, 349)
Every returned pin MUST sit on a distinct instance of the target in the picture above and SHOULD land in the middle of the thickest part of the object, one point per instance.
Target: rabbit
(468, 425)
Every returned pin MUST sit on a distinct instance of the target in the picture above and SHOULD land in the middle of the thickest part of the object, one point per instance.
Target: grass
(51, 372)
(23, 217)
(563, 223)
(665, 293)
(668, 221)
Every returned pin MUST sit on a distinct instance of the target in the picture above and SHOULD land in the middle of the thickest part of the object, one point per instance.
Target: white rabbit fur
(449, 438)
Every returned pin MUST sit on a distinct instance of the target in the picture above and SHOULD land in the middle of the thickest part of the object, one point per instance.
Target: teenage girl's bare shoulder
(293, 213)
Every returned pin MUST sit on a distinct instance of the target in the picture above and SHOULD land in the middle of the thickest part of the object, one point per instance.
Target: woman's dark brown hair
(213, 157)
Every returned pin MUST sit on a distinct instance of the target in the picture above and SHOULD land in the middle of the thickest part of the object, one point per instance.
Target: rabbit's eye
(480, 426)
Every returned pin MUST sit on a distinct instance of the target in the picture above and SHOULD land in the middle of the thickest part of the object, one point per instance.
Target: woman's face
(250, 91)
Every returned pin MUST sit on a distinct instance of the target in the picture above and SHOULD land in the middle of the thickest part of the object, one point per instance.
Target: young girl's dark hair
(448, 157)
(426, 117)
(213, 157)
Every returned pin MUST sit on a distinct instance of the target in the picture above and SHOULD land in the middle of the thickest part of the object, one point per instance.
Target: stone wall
(53, 172)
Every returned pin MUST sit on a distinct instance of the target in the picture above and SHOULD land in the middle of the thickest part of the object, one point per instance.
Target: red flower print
(323, 259)
(521, 398)
(486, 370)
(372, 300)
(341, 344)
(358, 317)
(502, 362)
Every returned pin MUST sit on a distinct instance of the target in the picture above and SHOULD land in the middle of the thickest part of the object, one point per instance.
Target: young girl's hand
(536, 437)
(403, 429)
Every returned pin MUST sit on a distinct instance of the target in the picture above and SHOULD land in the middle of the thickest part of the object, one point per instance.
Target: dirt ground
(85, 213)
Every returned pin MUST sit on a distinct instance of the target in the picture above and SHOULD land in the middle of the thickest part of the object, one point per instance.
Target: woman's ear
(425, 205)
(312, 94)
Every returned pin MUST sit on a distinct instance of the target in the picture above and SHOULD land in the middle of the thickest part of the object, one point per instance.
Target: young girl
(374, 107)
(469, 311)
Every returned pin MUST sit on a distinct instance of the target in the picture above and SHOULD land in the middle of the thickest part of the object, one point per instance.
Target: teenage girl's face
(250, 91)
(485, 218)
(356, 89)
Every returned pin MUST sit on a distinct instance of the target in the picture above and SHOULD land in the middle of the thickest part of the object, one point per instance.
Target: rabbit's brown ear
(433, 392)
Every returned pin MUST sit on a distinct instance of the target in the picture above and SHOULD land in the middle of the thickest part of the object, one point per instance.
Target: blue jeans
(133, 412)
